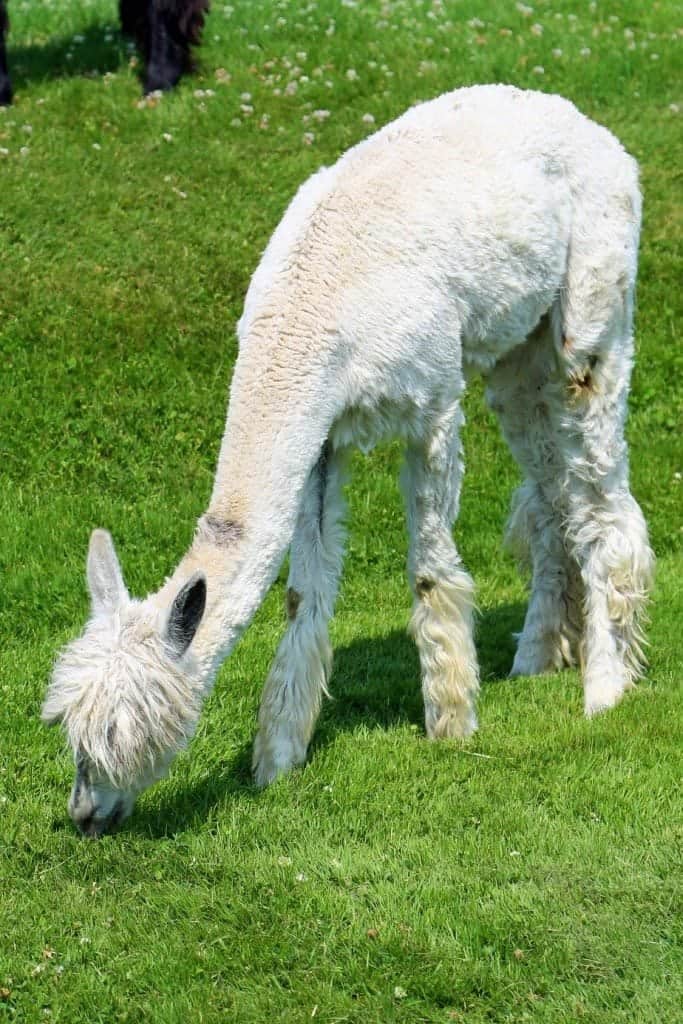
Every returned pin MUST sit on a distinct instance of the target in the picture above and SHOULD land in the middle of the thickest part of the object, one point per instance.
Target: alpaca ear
(105, 579)
(52, 711)
(186, 614)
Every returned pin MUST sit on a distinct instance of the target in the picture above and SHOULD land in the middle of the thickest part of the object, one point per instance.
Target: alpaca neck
(274, 434)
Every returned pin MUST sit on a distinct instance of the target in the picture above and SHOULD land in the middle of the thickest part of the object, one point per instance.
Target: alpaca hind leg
(443, 610)
(550, 638)
(605, 528)
(607, 532)
(519, 390)
(298, 677)
(561, 400)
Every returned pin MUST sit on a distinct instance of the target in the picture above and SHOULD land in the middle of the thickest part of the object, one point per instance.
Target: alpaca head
(127, 691)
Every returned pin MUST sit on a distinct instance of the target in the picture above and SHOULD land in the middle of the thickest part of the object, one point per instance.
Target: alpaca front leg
(293, 692)
(299, 675)
(442, 619)
(442, 627)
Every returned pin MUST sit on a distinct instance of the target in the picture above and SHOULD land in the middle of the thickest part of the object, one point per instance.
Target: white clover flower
(321, 115)
(96, 146)
(368, 119)
(585, 51)
(557, 53)
(536, 29)
(245, 97)
(352, 75)
(538, 70)
(167, 137)
(24, 151)
(308, 138)
(291, 88)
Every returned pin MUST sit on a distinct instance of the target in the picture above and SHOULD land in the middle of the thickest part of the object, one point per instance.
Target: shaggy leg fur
(442, 619)
(173, 28)
(165, 31)
(554, 620)
(5, 83)
(298, 677)
(562, 404)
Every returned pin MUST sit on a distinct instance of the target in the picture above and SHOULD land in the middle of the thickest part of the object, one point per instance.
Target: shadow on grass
(61, 57)
(375, 684)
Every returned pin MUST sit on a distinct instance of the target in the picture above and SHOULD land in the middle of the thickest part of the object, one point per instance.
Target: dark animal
(5, 84)
(164, 30)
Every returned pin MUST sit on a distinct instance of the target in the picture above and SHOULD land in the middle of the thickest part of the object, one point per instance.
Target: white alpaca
(490, 231)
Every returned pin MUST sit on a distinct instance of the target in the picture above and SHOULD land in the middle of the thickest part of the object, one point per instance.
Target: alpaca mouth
(94, 827)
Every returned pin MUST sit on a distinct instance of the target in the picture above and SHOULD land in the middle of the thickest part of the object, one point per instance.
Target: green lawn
(533, 875)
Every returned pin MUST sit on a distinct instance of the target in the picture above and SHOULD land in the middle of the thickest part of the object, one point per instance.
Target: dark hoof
(162, 79)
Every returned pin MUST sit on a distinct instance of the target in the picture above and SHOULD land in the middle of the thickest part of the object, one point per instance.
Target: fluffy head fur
(126, 691)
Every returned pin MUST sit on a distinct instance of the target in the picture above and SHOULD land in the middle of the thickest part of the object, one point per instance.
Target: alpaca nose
(91, 822)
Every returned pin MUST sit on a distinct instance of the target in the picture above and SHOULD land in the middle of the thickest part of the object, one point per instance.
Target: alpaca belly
(365, 426)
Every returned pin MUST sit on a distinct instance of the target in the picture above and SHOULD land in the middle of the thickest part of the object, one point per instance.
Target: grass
(534, 875)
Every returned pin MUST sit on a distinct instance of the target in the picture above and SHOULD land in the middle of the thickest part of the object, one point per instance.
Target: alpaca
(489, 231)
(165, 32)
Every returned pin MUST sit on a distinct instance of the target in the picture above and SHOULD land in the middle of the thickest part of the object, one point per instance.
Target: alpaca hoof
(539, 657)
(602, 695)
(456, 723)
(274, 755)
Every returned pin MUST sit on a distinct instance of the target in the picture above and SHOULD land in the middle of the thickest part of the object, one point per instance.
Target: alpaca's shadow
(89, 53)
(375, 684)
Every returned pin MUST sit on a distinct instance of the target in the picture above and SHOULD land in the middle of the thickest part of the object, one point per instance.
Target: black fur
(5, 84)
(186, 614)
(164, 30)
